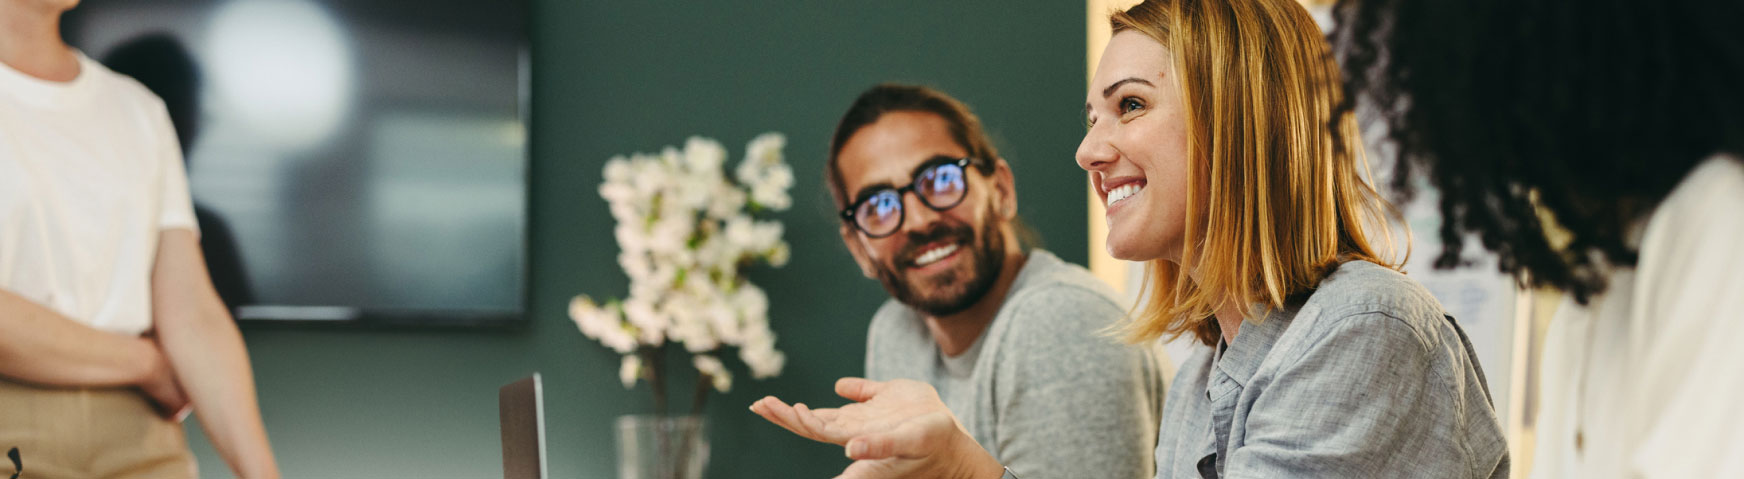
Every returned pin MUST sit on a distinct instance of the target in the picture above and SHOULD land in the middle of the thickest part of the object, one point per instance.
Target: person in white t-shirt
(109, 326)
(1595, 146)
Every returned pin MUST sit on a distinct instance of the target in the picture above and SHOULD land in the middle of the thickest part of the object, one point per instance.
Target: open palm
(893, 429)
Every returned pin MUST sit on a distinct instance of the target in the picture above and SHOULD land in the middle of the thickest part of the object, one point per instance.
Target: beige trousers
(67, 433)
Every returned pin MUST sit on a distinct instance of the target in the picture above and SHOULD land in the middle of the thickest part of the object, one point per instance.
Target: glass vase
(662, 447)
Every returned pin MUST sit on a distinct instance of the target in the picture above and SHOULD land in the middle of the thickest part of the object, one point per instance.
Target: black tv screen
(355, 161)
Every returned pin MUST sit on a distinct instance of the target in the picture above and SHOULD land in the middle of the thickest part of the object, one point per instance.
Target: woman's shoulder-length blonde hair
(1277, 196)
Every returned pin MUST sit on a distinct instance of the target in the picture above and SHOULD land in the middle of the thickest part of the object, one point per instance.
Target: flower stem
(656, 360)
(691, 429)
(702, 389)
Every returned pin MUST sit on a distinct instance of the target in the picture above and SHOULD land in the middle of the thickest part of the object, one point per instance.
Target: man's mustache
(960, 233)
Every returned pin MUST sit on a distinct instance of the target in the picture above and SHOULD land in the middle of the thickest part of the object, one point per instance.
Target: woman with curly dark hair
(1595, 148)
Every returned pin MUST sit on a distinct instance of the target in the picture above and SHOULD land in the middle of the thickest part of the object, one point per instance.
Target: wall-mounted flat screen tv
(351, 161)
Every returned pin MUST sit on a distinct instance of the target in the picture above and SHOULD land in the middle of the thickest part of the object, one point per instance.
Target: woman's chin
(1129, 250)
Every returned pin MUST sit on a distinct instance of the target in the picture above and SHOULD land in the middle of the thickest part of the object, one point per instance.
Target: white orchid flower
(717, 373)
(630, 370)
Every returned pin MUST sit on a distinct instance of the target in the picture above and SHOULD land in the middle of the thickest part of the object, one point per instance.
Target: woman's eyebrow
(1106, 92)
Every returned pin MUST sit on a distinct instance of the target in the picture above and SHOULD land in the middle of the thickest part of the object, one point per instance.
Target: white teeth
(1123, 192)
(934, 255)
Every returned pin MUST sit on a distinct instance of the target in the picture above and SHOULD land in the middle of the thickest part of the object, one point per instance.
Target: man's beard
(948, 292)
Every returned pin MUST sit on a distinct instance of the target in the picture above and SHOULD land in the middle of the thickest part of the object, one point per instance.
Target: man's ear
(857, 248)
(1005, 185)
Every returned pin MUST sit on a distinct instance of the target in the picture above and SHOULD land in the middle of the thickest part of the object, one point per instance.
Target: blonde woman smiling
(1213, 139)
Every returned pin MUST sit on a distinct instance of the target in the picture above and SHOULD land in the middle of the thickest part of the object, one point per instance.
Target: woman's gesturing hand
(893, 429)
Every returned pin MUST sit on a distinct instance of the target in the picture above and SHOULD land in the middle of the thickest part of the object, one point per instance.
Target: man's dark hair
(1592, 111)
(889, 97)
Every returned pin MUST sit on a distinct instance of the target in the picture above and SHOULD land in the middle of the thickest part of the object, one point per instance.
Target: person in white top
(1596, 148)
(106, 311)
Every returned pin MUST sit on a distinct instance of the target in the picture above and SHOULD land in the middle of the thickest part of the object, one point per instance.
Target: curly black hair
(1536, 115)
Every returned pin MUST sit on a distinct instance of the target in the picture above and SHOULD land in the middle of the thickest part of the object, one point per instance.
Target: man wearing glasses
(1012, 339)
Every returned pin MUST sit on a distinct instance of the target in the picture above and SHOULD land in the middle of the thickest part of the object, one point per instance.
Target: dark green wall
(618, 77)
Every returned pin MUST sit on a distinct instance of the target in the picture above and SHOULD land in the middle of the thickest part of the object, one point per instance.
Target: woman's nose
(1095, 153)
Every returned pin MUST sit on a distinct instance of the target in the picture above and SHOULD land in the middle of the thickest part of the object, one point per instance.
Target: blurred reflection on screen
(364, 157)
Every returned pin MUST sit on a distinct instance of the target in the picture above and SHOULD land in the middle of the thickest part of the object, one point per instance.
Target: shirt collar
(41, 93)
(1253, 343)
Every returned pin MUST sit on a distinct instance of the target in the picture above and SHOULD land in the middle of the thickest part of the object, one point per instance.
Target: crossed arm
(196, 349)
(201, 342)
(42, 347)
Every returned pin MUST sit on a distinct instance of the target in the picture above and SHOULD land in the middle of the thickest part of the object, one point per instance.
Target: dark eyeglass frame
(962, 164)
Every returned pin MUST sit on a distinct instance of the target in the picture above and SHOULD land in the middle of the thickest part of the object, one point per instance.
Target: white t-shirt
(90, 173)
(1650, 375)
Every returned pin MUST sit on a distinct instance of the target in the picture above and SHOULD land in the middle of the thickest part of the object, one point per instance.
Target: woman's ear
(1005, 184)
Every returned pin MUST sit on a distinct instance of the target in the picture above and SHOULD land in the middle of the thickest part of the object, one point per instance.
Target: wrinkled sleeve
(175, 203)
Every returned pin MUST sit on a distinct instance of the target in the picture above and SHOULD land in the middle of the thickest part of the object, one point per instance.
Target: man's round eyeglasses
(878, 212)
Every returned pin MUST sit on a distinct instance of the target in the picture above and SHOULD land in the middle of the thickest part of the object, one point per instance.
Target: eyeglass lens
(940, 188)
